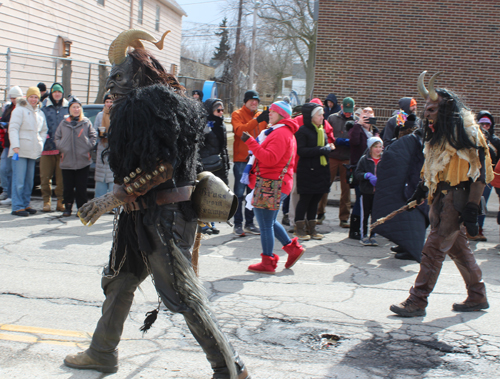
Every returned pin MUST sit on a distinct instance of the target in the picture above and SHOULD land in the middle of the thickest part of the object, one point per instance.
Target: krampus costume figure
(153, 151)
(457, 165)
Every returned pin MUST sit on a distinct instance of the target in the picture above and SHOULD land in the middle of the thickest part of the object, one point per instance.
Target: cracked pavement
(51, 299)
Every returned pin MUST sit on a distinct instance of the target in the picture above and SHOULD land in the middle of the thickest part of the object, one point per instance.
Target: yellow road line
(33, 330)
(31, 339)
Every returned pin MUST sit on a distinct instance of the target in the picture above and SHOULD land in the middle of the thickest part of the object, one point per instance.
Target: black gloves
(419, 195)
(325, 150)
(469, 217)
(264, 116)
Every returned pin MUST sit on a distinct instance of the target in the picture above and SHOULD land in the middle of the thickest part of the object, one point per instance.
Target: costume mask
(432, 101)
(122, 78)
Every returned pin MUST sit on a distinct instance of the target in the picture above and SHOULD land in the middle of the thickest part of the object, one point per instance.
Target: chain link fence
(82, 79)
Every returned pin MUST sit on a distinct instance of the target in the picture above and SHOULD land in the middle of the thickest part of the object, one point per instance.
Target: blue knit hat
(283, 108)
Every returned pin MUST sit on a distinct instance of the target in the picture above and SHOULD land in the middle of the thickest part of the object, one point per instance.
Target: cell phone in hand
(372, 120)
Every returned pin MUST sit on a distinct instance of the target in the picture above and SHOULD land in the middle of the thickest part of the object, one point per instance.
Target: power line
(203, 2)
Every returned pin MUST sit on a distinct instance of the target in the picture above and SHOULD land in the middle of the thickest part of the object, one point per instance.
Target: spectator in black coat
(487, 124)
(366, 175)
(313, 171)
(407, 105)
(331, 106)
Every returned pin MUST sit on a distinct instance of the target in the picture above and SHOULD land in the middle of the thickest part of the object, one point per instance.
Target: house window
(100, 2)
(140, 12)
(157, 20)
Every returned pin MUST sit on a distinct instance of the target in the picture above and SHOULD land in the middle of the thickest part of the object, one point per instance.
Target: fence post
(8, 69)
(66, 77)
(88, 82)
(103, 76)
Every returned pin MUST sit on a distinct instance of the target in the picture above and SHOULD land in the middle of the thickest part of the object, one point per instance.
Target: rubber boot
(354, 230)
(67, 211)
(294, 250)
(267, 266)
(300, 231)
(311, 230)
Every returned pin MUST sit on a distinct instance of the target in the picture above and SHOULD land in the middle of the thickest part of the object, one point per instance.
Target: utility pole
(252, 51)
(235, 69)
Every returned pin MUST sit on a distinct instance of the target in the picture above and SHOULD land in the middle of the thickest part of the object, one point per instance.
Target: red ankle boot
(267, 266)
(294, 251)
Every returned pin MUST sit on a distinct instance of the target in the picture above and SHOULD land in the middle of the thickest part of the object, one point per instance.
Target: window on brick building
(140, 11)
(157, 20)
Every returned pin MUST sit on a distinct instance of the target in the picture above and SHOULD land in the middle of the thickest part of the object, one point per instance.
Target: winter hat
(484, 120)
(42, 87)
(348, 105)
(57, 87)
(283, 108)
(107, 97)
(15, 92)
(317, 110)
(74, 100)
(33, 91)
(372, 140)
(250, 95)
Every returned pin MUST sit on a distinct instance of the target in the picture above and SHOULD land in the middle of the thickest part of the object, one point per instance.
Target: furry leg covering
(193, 293)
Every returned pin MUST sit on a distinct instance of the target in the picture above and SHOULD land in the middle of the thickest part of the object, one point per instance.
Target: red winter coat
(273, 154)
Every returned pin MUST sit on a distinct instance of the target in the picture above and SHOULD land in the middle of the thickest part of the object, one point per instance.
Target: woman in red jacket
(274, 150)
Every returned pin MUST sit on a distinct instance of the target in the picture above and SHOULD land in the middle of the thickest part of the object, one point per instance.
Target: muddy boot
(83, 361)
(311, 230)
(300, 231)
(294, 250)
(407, 309)
(267, 266)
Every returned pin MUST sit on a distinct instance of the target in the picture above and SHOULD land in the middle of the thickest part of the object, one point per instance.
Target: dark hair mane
(450, 123)
(152, 71)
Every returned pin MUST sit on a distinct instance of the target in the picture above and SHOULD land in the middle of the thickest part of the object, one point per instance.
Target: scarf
(321, 143)
(105, 122)
(260, 138)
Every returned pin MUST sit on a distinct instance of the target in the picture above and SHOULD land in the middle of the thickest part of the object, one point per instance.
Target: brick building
(374, 50)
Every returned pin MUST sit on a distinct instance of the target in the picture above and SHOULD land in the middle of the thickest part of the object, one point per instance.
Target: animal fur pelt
(154, 123)
(437, 157)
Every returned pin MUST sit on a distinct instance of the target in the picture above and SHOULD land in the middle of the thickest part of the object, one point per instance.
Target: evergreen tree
(221, 53)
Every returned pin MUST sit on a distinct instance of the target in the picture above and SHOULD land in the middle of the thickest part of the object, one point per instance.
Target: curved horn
(432, 92)
(421, 86)
(118, 48)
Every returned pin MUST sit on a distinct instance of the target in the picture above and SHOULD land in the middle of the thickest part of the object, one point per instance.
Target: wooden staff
(380, 221)
(196, 250)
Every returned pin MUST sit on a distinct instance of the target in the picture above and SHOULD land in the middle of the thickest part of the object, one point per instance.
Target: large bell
(212, 199)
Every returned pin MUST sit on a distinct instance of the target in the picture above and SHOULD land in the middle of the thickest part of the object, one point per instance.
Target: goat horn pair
(421, 86)
(118, 48)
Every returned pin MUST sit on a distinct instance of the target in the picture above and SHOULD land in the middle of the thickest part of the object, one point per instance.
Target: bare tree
(293, 21)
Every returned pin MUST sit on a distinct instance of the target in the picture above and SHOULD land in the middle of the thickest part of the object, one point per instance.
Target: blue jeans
(239, 191)
(102, 188)
(23, 177)
(6, 172)
(270, 228)
(486, 194)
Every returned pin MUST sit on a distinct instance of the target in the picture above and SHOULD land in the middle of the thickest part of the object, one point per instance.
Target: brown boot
(46, 207)
(300, 231)
(60, 206)
(311, 229)
(407, 309)
(83, 361)
(469, 306)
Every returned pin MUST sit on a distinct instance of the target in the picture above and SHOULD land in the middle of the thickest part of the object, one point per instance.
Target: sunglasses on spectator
(220, 110)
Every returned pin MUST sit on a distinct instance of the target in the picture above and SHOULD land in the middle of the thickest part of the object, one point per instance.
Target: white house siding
(32, 26)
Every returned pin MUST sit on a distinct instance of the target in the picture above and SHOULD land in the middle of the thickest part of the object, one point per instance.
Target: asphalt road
(328, 317)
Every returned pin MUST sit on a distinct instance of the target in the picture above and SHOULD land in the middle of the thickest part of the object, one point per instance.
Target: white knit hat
(15, 92)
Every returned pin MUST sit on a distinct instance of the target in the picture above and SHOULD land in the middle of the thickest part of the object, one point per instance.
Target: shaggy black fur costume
(152, 123)
(450, 123)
